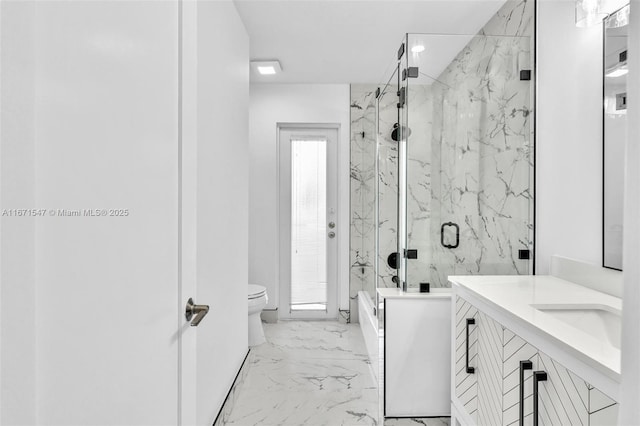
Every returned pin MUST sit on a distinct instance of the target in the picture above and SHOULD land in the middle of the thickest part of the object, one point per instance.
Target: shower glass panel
(386, 206)
(466, 152)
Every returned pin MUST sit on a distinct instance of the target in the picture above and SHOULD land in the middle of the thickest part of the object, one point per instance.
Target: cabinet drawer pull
(470, 370)
(524, 365)
(538, 376)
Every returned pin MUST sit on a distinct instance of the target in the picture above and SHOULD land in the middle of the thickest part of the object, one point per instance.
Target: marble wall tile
(363, 190)
(362, 226)
(469, 161)
(478, 171)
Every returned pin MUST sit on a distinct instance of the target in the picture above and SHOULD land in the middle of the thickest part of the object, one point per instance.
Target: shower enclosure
(466, 157)
(443, 158)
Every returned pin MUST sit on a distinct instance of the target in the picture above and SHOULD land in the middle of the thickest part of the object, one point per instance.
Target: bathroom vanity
(528, 347)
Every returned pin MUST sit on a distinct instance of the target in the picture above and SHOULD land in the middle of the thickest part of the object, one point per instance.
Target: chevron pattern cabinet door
(603, 411)
(489, 371)
(466, 384)
(564, 397)
(491, 396)
(514, 350)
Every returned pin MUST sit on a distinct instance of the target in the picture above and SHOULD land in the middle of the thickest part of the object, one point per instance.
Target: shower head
(395, 134)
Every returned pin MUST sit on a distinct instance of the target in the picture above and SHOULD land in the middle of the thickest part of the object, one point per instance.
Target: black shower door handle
(470, 370)
(450, 246)
(538, 376)
(524, 365)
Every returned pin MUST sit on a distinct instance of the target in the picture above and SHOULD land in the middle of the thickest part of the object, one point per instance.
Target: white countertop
(397, 293)
(514, 295)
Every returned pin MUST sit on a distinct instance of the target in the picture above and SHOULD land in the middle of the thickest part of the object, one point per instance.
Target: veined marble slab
(470, 161)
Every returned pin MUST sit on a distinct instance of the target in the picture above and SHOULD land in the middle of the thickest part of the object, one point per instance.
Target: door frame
(284, 311)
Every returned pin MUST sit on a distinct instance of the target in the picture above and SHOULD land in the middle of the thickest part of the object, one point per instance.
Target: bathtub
(369, 326)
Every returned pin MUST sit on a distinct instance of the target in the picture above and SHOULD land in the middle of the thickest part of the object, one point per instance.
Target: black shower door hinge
(524, 254)
(401, 97)
(401, 51)
(411, 72)
(411, 253)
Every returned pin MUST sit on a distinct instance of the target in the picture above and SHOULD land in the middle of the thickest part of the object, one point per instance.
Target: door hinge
(401, 51)
(411, 254)
(411, 72)
(401, 97)
(524, 254)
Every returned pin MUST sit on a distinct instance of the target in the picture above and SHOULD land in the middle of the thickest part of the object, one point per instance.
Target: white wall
(17, 250)
(568, 137)
(291, 103)
(630, 386)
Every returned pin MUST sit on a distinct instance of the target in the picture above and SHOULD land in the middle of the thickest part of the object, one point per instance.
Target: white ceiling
(352, 41)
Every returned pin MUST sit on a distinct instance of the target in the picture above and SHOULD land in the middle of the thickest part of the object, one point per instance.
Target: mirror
(614, 134)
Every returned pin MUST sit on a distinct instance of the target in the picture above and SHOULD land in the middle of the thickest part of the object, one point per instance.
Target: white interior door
(308, 221)
(90, 307)
(215, 220)
(116, 146)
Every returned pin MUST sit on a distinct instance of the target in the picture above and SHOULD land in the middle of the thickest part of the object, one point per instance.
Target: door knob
(332, 234)
(332, 225)
(200, 311)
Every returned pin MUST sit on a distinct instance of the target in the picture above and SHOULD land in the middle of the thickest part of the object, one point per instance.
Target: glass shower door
(468, 174)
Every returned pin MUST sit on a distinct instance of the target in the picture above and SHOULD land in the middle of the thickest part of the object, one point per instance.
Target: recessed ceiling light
(266, 70)
(266, 67)
(417, 49)
(618, 72)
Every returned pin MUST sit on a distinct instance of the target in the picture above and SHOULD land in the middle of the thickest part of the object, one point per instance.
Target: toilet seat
(256, 291)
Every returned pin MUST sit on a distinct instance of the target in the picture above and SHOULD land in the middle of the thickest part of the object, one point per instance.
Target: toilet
(257, 301)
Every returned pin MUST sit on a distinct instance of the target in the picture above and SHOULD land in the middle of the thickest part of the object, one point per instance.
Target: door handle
(450, 246)
(524, 365)
(538, 376)
(200, 311)
(470, 370)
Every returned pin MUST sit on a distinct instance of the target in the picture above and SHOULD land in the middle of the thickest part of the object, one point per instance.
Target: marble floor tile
(310, 373)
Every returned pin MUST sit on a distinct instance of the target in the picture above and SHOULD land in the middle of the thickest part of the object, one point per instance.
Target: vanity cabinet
(497, 375)
(416, 379)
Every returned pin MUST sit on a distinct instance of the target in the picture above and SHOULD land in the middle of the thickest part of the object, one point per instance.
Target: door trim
(282, 308)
